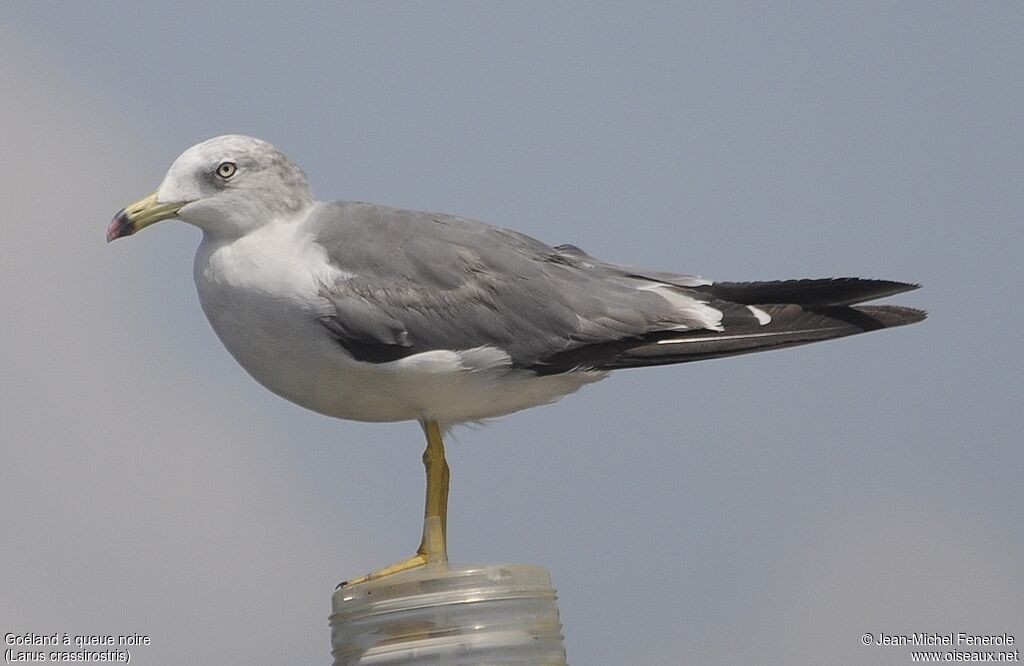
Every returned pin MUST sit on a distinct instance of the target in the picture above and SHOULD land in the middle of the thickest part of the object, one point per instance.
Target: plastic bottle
(452, 615)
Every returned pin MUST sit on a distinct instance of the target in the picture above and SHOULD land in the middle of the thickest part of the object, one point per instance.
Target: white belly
(264, 309)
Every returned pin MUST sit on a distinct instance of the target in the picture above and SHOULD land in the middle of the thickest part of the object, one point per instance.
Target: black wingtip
(816, 292)
(895, 286)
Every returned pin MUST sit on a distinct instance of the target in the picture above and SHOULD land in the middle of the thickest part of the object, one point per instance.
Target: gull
(371, 313)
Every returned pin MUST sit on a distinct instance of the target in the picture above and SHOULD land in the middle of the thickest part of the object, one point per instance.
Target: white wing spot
(762, 316)
(708, 316)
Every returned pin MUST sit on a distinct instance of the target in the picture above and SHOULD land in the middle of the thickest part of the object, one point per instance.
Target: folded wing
(412, 282)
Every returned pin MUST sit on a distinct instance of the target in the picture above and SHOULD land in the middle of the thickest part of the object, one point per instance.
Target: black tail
(791, 325)
(757, 316)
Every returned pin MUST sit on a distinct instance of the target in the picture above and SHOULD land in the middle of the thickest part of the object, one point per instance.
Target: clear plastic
(450, 615)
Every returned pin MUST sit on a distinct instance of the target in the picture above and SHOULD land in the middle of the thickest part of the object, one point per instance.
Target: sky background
(759, 509)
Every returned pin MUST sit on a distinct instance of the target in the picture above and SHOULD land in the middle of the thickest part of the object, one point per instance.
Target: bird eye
(226, 169)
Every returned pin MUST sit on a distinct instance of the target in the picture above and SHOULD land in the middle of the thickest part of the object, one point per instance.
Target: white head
(227, 186)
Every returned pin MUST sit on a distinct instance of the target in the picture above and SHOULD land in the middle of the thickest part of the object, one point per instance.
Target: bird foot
(417, 560)
(433, 550)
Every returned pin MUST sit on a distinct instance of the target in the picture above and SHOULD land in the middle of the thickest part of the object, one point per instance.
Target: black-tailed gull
(372, 313)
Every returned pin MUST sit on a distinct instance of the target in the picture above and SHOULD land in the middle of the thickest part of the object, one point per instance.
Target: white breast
(261, 295)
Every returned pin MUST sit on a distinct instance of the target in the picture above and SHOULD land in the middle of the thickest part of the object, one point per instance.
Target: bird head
(226, 186)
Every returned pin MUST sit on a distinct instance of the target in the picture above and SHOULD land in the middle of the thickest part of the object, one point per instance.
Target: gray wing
(418, 281)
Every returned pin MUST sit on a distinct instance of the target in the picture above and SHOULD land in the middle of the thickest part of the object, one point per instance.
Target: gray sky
(766, 509)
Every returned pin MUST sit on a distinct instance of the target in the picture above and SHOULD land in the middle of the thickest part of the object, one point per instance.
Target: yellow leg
(434, 544)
